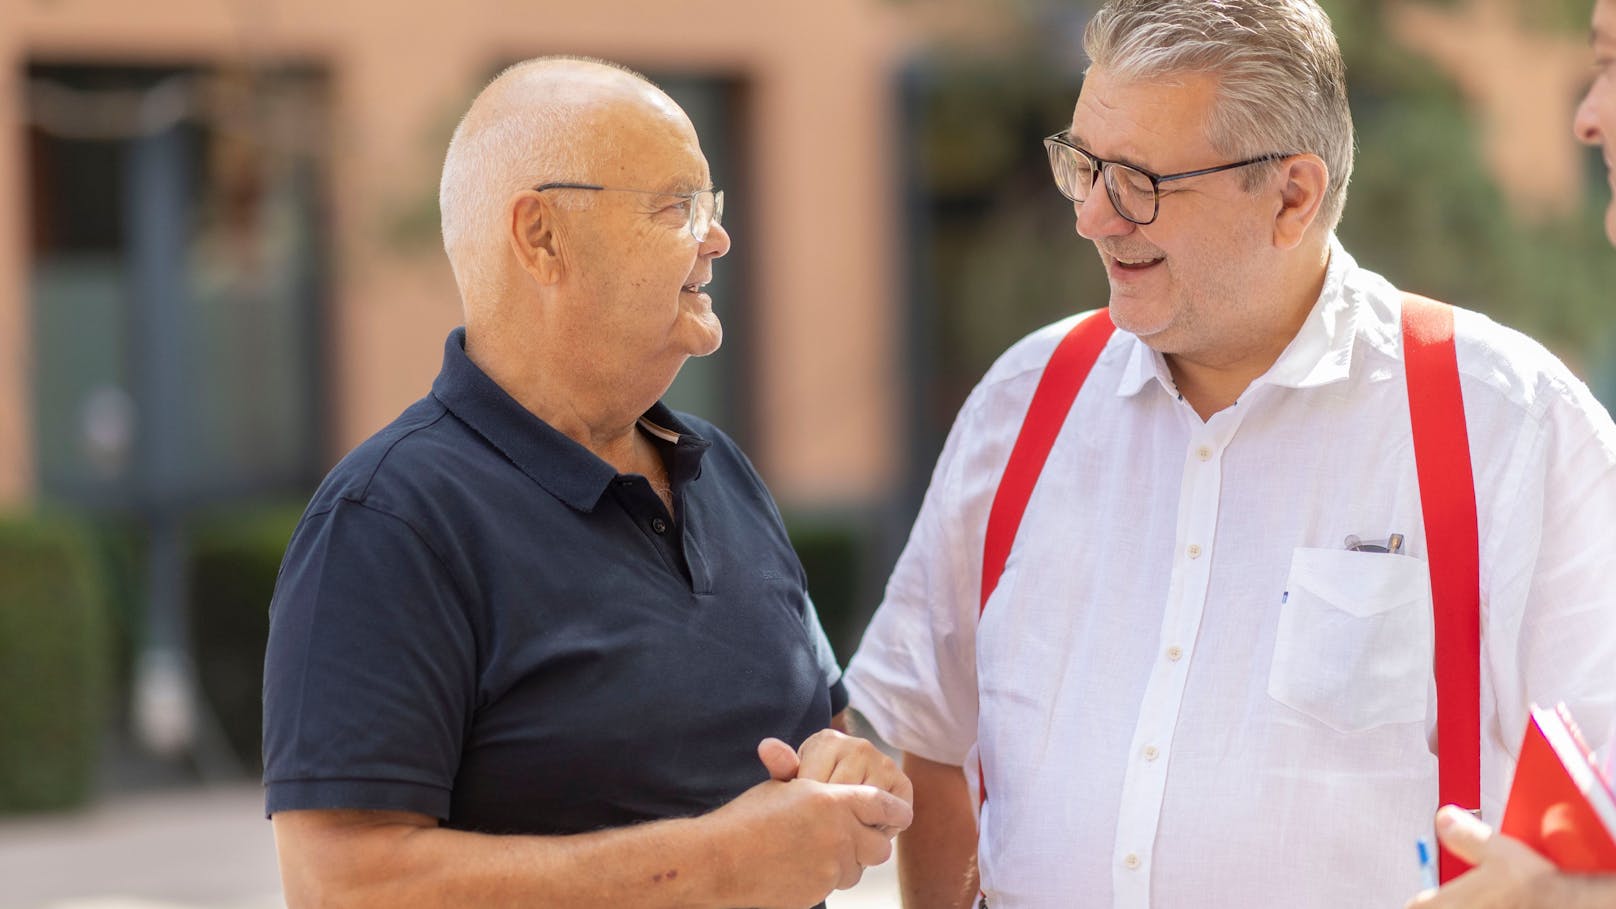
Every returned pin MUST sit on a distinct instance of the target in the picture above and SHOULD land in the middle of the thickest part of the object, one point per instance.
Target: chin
(1139, 318)
(711, 338)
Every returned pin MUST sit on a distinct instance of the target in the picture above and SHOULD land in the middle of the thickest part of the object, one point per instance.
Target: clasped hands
(829, 810)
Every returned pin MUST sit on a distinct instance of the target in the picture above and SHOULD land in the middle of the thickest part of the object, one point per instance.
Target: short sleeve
(369, 675)
(825, 656)
(914, 675)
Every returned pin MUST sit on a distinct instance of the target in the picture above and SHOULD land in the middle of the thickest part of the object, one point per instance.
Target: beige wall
(16, 463)
(824, 248)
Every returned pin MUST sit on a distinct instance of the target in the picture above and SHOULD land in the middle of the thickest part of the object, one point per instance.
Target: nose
(717, 243)
(1585, 125)
(1098, 218)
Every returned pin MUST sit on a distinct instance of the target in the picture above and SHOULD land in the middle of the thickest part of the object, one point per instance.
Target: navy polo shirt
(479, 620)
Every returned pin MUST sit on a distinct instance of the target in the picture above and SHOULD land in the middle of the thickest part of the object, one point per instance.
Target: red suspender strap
(1448, 501)
(1068, 369)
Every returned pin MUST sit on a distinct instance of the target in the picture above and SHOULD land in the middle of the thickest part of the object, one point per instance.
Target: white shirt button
(1194, 550)
(1150, 752)
(1174, 652)
(1131, 861)
(1204, 453)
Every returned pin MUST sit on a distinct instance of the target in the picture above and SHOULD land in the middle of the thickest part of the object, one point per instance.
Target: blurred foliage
(999, 256)
(53, 663)
(235, 557)
(835, 550)
(1561, 15)
(1424, 211)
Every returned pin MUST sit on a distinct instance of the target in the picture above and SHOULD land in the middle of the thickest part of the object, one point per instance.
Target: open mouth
(1131, 264)
(694, 287)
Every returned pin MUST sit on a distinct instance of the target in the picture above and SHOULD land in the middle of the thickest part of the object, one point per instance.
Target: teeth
(1134, 261)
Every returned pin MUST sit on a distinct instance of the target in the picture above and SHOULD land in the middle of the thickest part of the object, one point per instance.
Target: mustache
(1118, 252)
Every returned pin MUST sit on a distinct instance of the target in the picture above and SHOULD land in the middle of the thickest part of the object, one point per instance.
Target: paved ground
(190, 849)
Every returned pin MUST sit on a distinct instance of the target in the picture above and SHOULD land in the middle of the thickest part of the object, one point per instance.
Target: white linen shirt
(1185, 690)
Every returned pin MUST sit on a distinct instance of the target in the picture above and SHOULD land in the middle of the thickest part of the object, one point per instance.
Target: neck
(1213, 380)
(566, 390)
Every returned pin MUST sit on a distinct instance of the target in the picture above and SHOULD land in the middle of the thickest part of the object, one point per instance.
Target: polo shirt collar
(1320, 354)
(564, 468)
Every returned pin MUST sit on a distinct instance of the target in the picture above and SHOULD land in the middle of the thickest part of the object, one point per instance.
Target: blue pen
(1428, 879)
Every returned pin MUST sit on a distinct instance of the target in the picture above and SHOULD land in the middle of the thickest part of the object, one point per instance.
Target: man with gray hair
(542, 641)
(1192, 572)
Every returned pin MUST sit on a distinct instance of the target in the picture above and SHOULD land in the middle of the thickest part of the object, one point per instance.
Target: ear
(1303, 182)
(535, 241)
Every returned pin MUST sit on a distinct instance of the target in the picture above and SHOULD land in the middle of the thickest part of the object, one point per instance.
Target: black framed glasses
(1135, 193)
(706, 206)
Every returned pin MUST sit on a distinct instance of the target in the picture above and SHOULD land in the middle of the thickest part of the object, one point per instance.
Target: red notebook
(1560, 803)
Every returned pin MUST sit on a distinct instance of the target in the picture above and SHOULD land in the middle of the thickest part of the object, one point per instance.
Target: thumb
(778, 758)
(881, 809)
(1462, 833)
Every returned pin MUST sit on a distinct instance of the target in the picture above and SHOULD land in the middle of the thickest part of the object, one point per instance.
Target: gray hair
(497, 153)
(1282, 83)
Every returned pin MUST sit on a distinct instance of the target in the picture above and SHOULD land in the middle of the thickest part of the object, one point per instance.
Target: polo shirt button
(659, 525)
(1151, 753)
(1204, 453)
(1174, 652)
(1194, 551)
(1131, 861)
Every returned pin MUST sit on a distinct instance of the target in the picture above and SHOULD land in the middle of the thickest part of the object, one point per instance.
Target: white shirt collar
(1321, 352)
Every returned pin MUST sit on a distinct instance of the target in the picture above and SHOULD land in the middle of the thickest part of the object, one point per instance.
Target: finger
(853, 766)
(778, 759)
(877, 808)
(820, 755)
(871, 847)
(883, 773)
(1462, 833)
(1466, 891)
(850, 877)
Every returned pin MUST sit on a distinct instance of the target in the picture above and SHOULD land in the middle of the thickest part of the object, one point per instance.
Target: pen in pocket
(1392, 546)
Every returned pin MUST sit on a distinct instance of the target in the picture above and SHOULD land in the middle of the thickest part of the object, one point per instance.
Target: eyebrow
(1078, 141)
(683, 186)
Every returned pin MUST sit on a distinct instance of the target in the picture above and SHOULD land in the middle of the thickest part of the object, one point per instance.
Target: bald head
(547, 119)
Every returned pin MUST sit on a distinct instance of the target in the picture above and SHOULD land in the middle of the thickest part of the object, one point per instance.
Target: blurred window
(177, 281)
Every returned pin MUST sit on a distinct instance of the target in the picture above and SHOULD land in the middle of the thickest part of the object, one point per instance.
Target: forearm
(936, 855)
(678, 864)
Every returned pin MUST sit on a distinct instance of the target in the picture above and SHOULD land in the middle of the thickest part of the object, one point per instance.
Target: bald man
(542, 641)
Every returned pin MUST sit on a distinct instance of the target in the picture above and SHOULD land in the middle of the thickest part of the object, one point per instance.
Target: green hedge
(54, 664)
(836, 553)
(234, 559)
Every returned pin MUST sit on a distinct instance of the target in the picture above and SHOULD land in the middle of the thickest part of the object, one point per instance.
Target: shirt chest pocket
(1354, 642)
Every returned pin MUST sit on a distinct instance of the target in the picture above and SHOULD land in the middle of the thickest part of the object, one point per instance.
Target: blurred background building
(220, 270)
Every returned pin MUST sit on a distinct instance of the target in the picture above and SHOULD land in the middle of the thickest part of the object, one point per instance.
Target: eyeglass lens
(1131, 192)
(706, 209)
